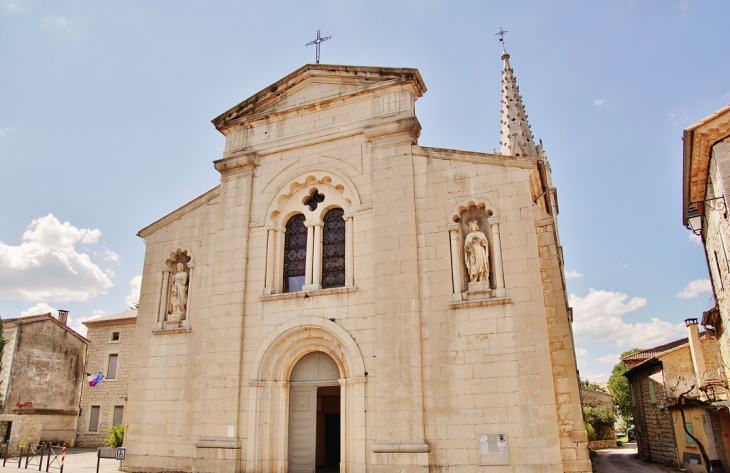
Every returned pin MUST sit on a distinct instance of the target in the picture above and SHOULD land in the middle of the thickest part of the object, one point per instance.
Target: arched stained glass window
(333, 249)
(295, 254)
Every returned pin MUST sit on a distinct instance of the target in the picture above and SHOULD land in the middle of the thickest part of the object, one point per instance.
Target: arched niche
(175, 291)
(486, 217)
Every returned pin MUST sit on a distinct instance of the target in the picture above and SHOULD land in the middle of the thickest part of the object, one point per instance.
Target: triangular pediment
(315, 83)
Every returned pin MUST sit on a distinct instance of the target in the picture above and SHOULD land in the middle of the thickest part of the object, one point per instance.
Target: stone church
(347, 300)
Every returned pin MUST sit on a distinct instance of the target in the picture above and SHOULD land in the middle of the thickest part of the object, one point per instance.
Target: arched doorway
(314, 415)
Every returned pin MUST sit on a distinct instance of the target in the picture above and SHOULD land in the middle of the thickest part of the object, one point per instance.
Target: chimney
(695, 347)
(63, 316)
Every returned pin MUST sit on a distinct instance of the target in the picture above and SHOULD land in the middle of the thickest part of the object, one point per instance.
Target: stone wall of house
(594, 398)
(719, 439)
(47, 370)
(109, 393)
(653, 420)
(678, 362)
(602, 444)
(23, 429)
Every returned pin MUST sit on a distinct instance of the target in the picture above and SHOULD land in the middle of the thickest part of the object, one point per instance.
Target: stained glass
(295, 253)
(333, 249)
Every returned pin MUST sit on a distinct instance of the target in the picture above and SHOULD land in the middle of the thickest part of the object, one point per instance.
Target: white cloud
(5, 131)
(695, 238)
(610, 359)
(47, 266)
(597, 317)
(109, 255)
(38, 309)
(695, 289)
(78, 323)
(596, 378)
(573, 274)
(581, 355)
(136, 285)
(598, 103)
(12, 7)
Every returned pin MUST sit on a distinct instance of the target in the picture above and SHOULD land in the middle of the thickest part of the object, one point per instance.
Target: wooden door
(302, 428)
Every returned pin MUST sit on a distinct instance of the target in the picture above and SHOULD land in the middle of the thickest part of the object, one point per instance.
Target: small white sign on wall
(492, 449)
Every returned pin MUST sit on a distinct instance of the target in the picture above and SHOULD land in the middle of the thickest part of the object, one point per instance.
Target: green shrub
(592, 453)
(115, 436)
(602, 420)
(591, 432)
(619, 443)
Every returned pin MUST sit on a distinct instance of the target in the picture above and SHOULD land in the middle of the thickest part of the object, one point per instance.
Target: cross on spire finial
(317, 42)
(501, 35)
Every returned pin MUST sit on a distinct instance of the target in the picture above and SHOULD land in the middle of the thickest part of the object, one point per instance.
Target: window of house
(652, 393)
(94, 419)
(111, 372)
(333, 249)
(295, 254)
(687, 439)
(118, 415)
(115, 336)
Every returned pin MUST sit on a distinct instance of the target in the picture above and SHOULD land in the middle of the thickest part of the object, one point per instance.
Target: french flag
(94, 380)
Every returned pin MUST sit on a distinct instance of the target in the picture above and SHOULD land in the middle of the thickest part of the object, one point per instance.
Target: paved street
(78, 460)
(623, 460)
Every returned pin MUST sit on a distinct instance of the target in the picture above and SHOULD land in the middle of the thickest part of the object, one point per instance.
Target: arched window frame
(290, 200)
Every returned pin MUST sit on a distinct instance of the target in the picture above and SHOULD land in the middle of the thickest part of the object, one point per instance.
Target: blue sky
(105, 112)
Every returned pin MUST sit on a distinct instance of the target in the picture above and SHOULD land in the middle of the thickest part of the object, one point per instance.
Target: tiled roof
(126, 315)
(658, 350)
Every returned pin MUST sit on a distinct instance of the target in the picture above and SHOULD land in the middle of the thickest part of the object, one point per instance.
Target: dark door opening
(328, 429)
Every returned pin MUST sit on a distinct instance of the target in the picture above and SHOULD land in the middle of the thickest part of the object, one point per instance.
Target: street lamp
(694, 213)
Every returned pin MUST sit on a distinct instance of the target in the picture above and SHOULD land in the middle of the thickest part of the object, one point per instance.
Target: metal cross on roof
(501, 35)
(317, 43)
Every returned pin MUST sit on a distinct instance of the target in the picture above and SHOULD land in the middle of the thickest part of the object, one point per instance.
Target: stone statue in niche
(178, 294)
(476, 254)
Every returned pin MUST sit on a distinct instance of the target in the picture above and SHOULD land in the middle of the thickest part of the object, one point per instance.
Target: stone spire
(517, 139)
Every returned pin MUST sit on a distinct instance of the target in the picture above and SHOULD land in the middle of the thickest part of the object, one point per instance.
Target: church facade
(347, 300)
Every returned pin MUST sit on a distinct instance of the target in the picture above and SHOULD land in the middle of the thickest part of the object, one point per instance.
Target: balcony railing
(708, 386)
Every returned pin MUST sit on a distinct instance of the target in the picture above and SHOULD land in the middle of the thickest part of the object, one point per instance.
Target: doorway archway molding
(268, 402)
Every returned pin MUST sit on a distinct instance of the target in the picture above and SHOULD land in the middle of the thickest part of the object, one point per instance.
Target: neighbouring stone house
(42, 373)
(706, 175)
(664, 385)
(111, 342)
(348, 299)
(596, 398)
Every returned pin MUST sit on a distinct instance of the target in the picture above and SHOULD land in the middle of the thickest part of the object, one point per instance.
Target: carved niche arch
(311, 192)
(175, 291)
(487, 217)
(269, 389)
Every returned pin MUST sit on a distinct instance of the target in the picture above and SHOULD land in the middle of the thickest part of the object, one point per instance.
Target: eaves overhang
(698, 141)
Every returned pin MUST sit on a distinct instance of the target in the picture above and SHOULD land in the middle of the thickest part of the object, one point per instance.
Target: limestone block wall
(109, 393)
(171, 401)
(716, 236)
(678, 362)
